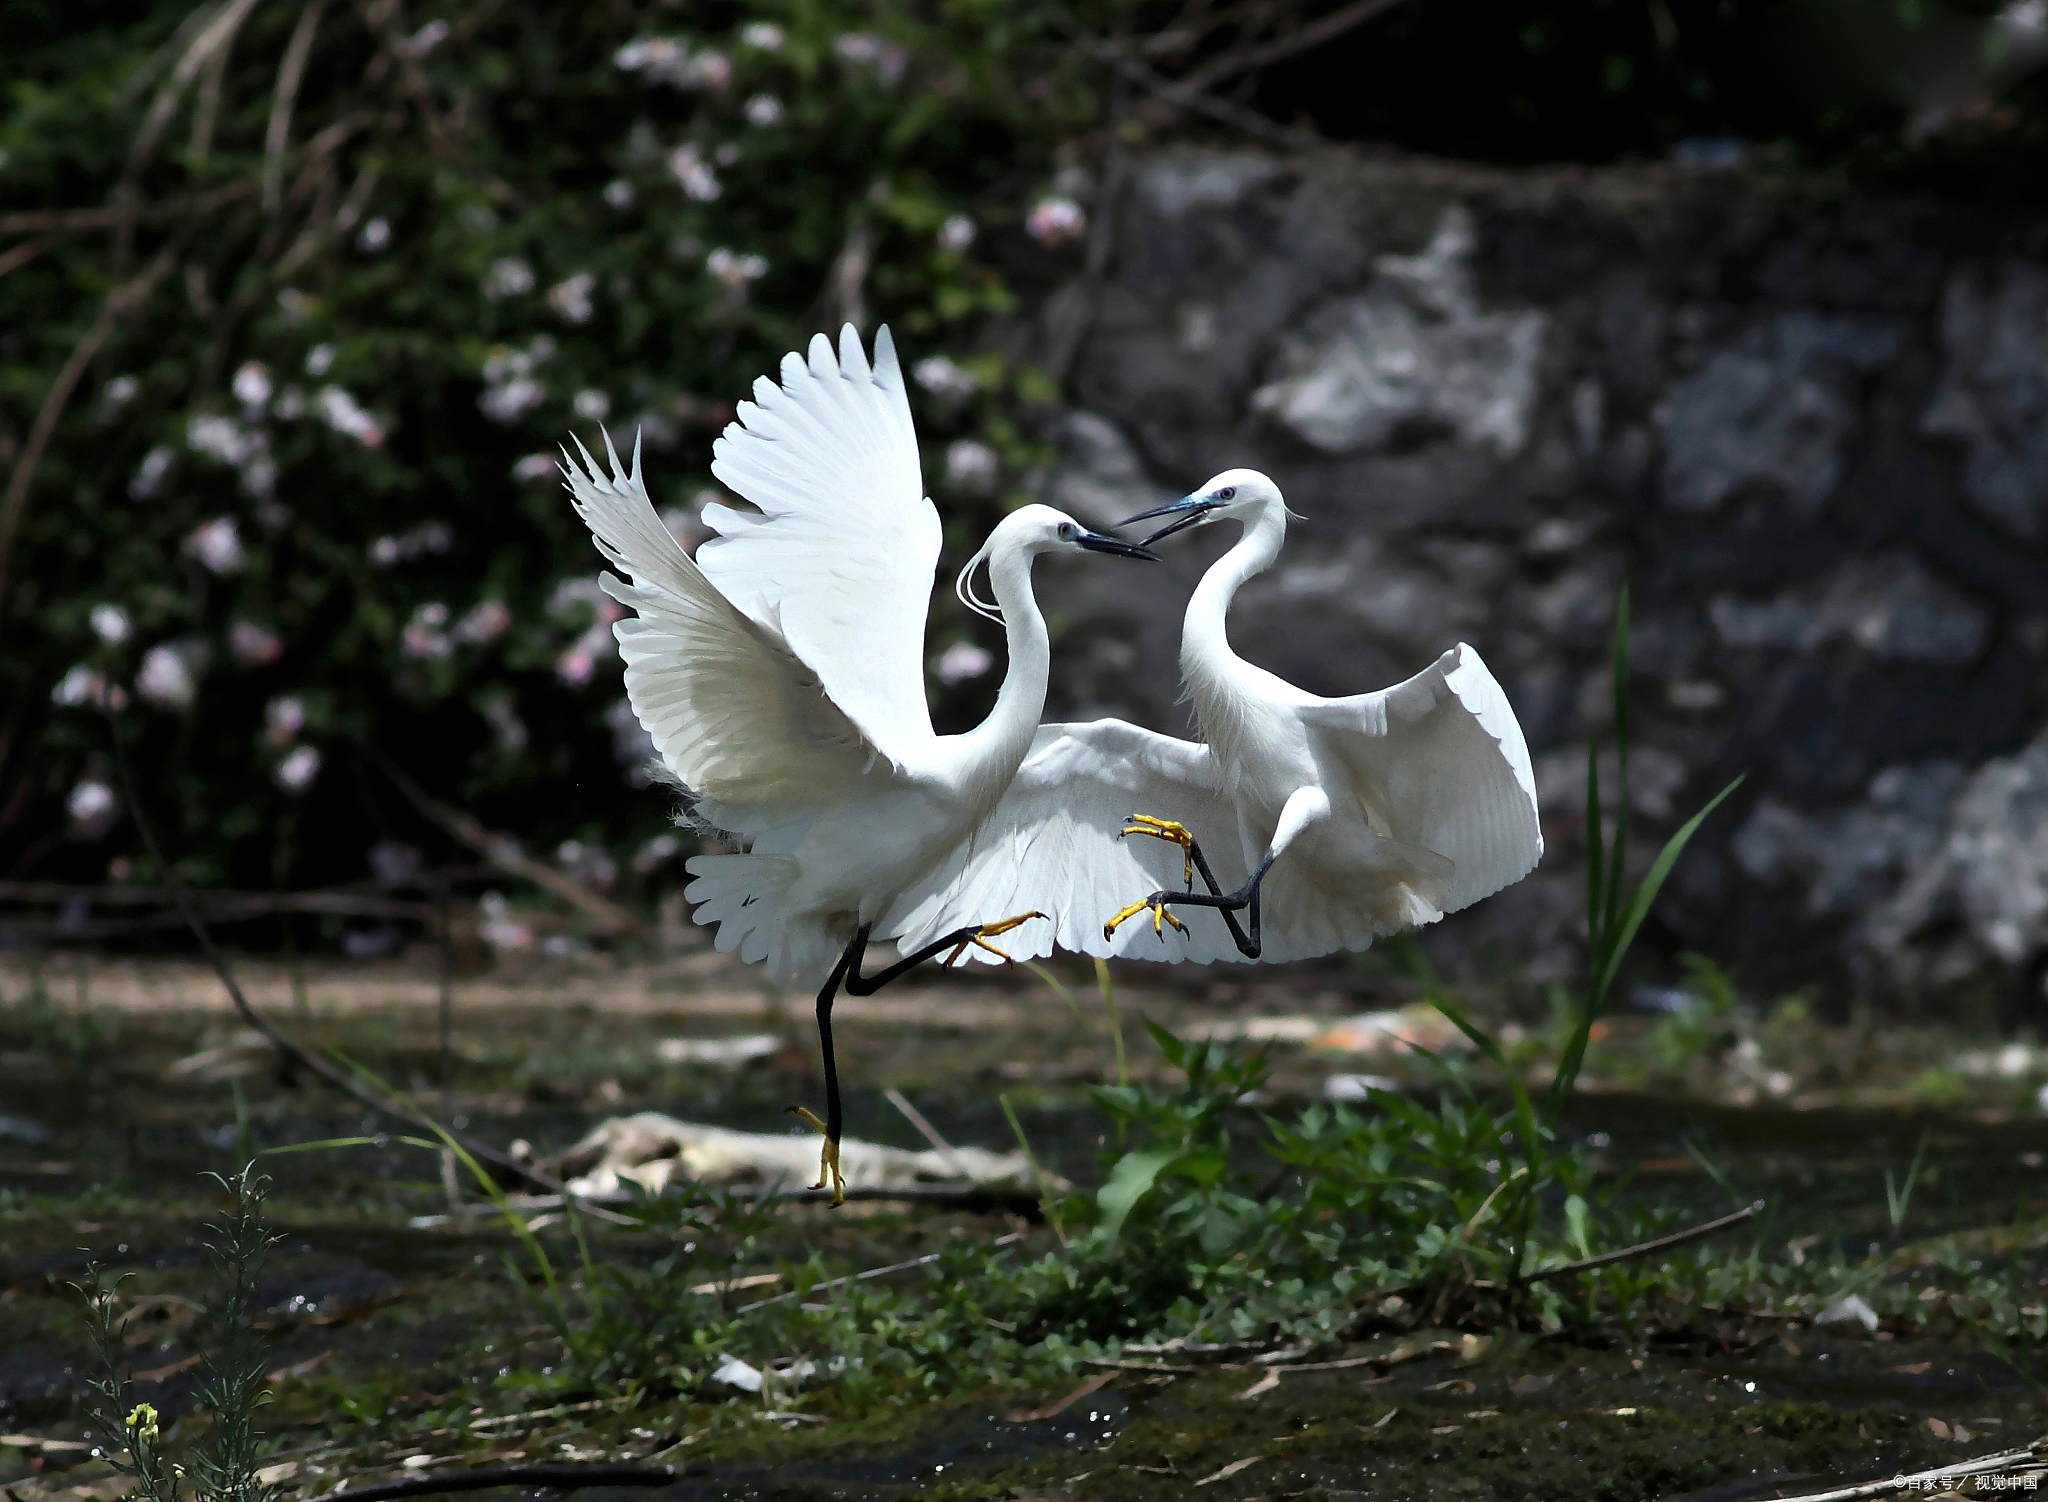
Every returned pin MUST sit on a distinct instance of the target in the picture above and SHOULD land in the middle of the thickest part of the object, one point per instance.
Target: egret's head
(1236, 494)
(1029, 531)
(1032, 530)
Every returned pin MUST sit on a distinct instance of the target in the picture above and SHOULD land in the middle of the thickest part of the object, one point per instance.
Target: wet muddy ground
(403, 1349)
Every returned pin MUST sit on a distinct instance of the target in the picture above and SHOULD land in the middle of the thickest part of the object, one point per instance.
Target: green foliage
(223, 1465)
(330, 317)
(1703, 1021)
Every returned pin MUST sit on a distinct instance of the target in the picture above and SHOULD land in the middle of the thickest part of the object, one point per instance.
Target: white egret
(781, 673)
(1392, 808)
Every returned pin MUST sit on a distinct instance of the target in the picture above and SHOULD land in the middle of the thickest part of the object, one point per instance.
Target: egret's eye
(1068, 531)
(1226, 492)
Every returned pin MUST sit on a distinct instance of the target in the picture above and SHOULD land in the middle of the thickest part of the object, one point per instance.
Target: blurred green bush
(329, 282)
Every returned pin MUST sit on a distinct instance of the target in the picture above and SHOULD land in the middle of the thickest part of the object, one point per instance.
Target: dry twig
(551, 1475)
(504, 852)
(1644, 1248)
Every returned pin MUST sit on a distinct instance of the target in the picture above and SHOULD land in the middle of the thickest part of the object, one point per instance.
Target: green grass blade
(1596, 859)
(1646, 892)
(1618, 849)
(324, 1144)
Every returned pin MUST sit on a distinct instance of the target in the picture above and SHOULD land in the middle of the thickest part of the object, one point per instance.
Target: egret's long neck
(996, 746)
(1204, 640)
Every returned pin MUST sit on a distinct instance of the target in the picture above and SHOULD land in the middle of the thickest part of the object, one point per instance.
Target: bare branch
(1236, 116)
(281, 1041)
(291, 72)
(502, 852)
(118, 302)
(27, 251)
(166, 208)
(1301, 39)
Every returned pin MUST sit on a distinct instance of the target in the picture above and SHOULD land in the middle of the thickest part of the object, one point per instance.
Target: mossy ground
(392, 1343)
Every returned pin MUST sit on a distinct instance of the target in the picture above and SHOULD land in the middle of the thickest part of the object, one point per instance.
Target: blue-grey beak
(1188, 511)
(1095, 542)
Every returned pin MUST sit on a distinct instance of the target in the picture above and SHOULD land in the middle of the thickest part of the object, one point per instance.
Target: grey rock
(1854, 857)
(1100, 477)
(1177, 185)
(1990, 871)
(1897, 611)
(1891, 606)
(1998, 848)
(1654, 780)
(1993, 392)
(1776, 408)
(1495, 396)
(1415, 351)
(1786, 623)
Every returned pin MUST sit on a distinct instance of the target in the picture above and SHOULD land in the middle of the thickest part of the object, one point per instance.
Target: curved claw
(1156, 905)
(828, 1159)
(980, 937)
(1173, 834)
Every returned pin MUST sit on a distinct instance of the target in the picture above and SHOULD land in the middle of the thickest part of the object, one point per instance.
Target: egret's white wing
(1052, 844)
(1439, 762)
(734, 713)
(840, 556)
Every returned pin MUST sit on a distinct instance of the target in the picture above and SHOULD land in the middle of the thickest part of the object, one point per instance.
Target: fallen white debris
(654, 1150)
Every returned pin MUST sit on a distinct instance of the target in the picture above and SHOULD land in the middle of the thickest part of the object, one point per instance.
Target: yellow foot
(980, 937)
(1160, 915)
(828, 1160)
(1173, 834)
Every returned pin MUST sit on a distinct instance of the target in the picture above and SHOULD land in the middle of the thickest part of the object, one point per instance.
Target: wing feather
(738, 717)
(1441, 762)
(1052, 844)
(840, 554)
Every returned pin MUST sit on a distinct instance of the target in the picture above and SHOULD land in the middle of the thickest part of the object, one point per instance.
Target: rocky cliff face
(1807, 428)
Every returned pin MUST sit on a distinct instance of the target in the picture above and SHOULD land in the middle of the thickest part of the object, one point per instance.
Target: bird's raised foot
(1156, 903)
(980, 937)
(828, 1158)
(1173, 834)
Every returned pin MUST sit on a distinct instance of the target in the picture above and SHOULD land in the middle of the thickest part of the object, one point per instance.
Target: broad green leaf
(1130, 1181)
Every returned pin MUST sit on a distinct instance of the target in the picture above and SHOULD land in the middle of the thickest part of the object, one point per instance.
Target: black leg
(847, 973)
(835, 1116)
(1249, 944)
(867, 985)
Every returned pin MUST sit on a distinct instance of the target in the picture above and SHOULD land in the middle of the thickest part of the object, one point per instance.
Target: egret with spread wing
(1397, 807)
(1390, 808)
(781, 673)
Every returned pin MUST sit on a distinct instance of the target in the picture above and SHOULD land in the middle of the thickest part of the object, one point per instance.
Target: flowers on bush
(1054, 221)
(571, 299)
(253, 646)
(110, 623)
(355, 473)
(170, 675)
(92, 807)
(296, 772)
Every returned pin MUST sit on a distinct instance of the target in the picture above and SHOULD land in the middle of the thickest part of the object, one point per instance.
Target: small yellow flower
(142, 1420)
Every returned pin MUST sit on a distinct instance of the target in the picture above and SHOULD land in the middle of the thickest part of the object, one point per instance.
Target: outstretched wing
(1439, 761)
(1052, 844)
(840, 555)
(740, 719)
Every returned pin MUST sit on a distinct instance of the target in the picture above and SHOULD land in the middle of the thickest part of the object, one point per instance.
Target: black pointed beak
(1095, 542)
(1188, 511)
